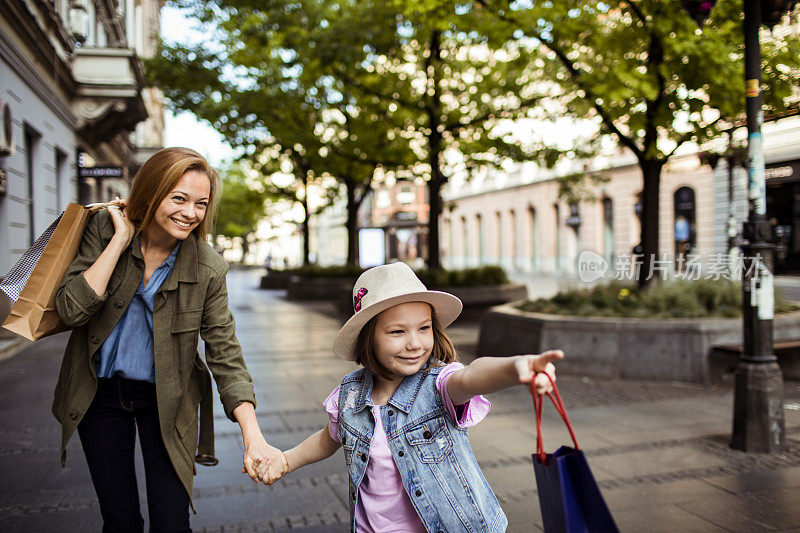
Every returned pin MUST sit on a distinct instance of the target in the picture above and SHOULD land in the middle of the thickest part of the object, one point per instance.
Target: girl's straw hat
(385, 286)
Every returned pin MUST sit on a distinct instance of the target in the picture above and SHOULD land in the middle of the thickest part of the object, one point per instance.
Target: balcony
(108, 92)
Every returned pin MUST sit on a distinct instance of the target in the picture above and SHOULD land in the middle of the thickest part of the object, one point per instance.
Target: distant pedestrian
(403, 418)
(141, 290)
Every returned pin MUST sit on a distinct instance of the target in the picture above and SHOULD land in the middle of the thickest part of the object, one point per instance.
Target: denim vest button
(418, 493)
(363, 457)
(401, 453)
(391, 412)
(427, 434)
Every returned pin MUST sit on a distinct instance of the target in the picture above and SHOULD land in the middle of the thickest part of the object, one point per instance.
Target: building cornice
(43, 30)
(29, 74)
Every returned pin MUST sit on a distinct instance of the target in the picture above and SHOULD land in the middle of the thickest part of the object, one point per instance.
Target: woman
(142, 288)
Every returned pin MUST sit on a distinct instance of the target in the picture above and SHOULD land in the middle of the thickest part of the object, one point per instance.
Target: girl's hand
(529, 365)
(258, 453)
(123, 227)
(272, 471)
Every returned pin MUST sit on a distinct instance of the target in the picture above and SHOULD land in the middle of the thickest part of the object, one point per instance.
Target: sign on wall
(100, 172)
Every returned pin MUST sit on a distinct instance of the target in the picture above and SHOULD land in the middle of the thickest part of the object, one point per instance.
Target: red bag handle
(538, 401)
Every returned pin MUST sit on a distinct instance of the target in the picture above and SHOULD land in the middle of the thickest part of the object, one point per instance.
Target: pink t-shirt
(384, 505)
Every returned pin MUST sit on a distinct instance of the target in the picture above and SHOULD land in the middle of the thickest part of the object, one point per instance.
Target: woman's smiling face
(403, 339)
(184, 208)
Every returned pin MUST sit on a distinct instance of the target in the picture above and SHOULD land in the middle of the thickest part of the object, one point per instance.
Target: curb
(10, 348)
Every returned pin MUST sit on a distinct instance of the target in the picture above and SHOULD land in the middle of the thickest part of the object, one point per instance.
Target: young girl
(403, 418)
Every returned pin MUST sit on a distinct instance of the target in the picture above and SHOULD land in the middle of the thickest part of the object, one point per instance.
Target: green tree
(645, 74)
(241, 206)
(259, 82)
(447, 86)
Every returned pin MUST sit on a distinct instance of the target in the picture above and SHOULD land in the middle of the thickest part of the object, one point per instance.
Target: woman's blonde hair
(443, 351)
(158, 177)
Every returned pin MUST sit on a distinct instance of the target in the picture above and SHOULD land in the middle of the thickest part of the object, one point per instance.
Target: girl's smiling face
(403, 338)
(184, 208)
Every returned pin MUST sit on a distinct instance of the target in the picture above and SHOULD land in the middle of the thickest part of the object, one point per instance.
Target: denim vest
(436, 463)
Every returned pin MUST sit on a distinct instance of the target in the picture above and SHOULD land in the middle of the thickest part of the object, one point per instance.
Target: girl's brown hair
(158, 177)
(443, 352)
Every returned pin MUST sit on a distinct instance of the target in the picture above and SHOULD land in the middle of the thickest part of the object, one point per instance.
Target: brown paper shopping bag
(35, 278)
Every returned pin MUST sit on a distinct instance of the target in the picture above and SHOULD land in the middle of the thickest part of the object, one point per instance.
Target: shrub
(679, 299)
(470, 277)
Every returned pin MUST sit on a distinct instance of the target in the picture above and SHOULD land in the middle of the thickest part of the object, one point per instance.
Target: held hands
(262, 462)
(529, 365)
(123, 227)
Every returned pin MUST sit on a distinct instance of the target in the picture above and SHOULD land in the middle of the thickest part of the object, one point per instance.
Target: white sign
(371, 247)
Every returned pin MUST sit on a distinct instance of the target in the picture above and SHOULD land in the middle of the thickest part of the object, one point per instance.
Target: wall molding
(25, 70)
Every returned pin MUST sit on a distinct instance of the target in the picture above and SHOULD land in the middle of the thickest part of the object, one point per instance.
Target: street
(658, 450)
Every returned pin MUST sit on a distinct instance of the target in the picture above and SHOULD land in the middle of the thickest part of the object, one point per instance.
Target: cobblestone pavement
(658, 450)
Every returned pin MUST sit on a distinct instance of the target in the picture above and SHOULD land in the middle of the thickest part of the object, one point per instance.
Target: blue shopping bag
(569, 497)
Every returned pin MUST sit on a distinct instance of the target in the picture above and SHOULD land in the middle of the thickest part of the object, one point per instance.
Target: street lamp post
(758, 422)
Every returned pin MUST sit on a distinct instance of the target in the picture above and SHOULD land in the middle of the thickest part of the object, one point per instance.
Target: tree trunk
(351, 223)
(651, 185)
(304, 225)
(434, 156)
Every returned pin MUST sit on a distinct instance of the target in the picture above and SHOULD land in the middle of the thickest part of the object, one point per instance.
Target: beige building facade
(517, 219)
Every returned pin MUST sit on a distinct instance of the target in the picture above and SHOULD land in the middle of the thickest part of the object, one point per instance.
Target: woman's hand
(263, 462)
(123, 227)
(272, 471)
(528, 366)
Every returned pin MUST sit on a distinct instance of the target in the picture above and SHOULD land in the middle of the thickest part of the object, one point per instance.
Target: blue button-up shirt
(128, 350)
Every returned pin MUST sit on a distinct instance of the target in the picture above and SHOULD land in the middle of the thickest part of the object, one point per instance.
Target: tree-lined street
(659, 450)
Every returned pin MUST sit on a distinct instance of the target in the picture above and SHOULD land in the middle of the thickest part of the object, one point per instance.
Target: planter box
(276, 280)
(476, 300)
(666, 349)
(300, 288)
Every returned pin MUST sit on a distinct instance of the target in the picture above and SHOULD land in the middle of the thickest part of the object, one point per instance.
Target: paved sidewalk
(658, 450)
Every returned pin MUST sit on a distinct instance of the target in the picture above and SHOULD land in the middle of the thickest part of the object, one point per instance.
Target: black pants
(108, 436)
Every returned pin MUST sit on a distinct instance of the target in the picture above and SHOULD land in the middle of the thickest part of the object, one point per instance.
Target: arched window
(557, 235)
(684, 225)
(479, 231)
(499, 229)
(608, 229)
(534, 238)
(464, 242)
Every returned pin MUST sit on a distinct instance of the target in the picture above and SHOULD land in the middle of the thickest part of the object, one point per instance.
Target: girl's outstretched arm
(491, 374)
(315, 448)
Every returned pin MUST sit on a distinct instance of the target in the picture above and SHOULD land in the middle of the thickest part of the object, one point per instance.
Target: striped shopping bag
(33, 281)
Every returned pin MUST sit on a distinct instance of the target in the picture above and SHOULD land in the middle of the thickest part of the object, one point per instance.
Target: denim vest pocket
(348, 440)
(430, 439)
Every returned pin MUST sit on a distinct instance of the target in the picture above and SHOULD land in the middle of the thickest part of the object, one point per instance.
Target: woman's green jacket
(192, 302)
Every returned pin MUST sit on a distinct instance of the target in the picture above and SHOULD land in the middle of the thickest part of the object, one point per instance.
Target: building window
(534, 238)
(608, 230)
(62, 180)
(405, 195)
(479, 227)
(499, 222)
(684, 229)
(512, 216)
(465, 241)
(557, 234)
(32, 145)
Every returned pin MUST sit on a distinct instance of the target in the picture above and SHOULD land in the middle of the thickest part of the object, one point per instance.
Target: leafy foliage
(240, 207)
(680, 299)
